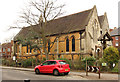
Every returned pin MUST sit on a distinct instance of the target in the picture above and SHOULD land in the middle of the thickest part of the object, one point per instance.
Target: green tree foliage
(111, 55)
(90, 61)
(119, 50)
(67, 61)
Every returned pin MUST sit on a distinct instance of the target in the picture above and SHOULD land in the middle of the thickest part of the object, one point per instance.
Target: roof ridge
(88, 18)
(100, 15)
(114, 32)
(66, 24)
(101, 19)
(74, 14)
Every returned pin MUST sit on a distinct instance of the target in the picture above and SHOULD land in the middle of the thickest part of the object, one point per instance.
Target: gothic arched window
(67, 45)
(73, 44)
(30, 49)
(27, 48)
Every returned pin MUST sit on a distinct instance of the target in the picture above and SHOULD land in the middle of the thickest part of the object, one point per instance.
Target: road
(17, 74)
(9, 74)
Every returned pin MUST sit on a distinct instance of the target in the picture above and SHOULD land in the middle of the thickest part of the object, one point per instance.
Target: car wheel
(55, 72)
(37, 71)
(66, 73)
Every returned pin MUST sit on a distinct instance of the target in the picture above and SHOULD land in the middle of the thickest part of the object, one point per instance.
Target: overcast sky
(10, 10)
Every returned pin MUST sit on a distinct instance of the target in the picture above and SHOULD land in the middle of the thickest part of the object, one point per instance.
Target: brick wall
(61, 47)
(119, 44)
(116, 41)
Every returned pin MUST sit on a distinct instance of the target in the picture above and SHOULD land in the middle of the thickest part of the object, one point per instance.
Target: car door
(47, 67)
(51, 66)
(43, 67)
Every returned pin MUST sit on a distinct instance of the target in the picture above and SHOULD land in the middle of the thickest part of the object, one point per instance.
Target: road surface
(9, 74)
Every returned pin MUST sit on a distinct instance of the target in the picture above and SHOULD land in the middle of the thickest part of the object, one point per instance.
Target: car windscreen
(62, 62)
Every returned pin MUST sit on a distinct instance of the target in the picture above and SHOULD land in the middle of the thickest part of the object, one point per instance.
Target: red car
(53, 66)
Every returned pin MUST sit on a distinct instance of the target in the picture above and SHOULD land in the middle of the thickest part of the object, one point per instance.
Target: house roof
(70, 23)
(101, 38)
(115, 32)
(27, 32)
(101, 19)
(66, 24)
(119, 31)
(5, 45)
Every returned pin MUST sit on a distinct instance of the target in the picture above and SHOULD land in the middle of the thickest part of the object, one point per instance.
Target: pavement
(91, 76)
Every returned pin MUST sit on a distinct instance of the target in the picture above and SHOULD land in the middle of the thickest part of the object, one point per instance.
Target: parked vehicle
(53, 66)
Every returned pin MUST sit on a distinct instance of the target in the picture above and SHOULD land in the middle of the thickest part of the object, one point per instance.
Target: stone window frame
(73, 37)
(67, 44)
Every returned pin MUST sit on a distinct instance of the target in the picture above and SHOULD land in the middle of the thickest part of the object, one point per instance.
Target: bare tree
(40, 12)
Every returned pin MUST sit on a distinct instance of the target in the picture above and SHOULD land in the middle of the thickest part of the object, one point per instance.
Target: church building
(80, 34)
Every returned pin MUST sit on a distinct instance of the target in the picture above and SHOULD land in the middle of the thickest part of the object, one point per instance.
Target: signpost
(94, 69)
(14, 58)
(104, 64)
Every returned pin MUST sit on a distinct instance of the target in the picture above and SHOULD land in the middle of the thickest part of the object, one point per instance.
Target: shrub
(67, 61)
(26, 63)
(111, 55)
(44, 59)
(31, 62)
(76, 66)
(8, 62)
(5, 62)
(115, 69)
(13, 63)
(79, 65)
(90, 61)
(103, 68)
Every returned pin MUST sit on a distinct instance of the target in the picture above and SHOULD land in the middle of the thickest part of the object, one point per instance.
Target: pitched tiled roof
(105, 34)
(115, 32)
(27, 32)
(5, 45)
(66, 24)
(101, 19)
(119, 31)
(74, 22)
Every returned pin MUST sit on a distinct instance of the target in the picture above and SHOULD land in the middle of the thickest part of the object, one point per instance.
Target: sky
(11, 9)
